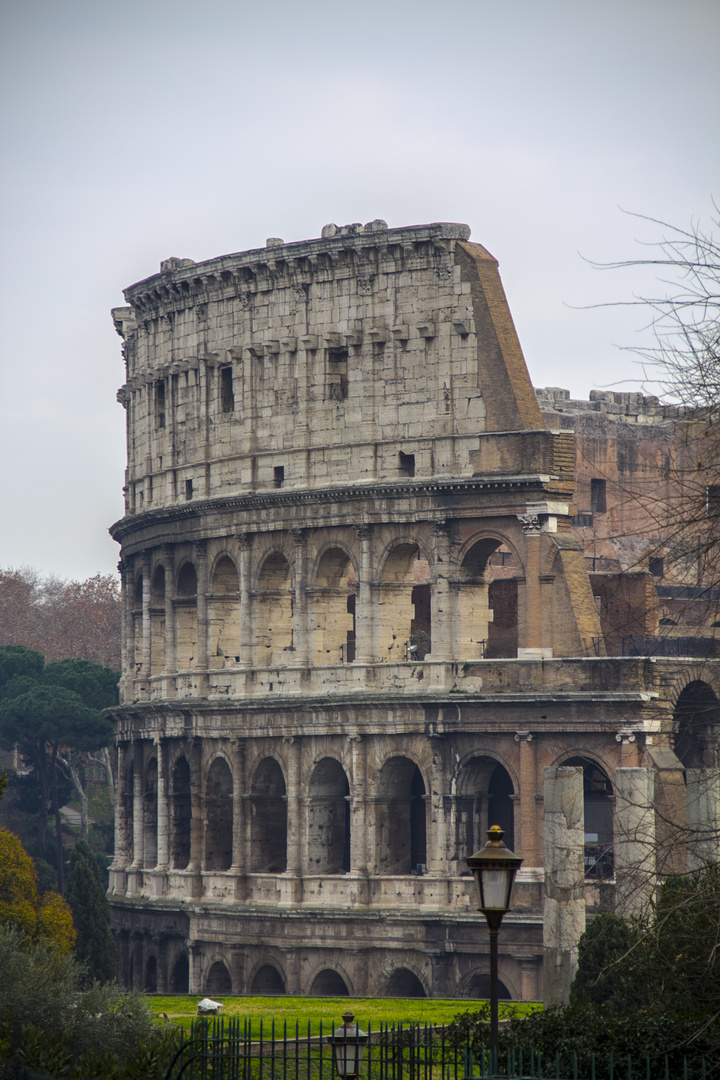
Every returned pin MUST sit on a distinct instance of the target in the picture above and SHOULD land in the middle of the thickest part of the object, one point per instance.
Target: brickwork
(357, 624)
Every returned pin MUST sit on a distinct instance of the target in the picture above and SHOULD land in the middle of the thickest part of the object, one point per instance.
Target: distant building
(360, 622)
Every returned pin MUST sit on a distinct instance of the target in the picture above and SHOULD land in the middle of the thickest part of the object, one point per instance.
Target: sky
(136, 130)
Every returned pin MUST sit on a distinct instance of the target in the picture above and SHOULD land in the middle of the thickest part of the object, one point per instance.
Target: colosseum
(360, 625)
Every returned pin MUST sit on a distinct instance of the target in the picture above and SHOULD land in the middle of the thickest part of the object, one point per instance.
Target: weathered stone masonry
(357, 625)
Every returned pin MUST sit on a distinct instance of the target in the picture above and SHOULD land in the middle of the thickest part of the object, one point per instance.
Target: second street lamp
(494, 868)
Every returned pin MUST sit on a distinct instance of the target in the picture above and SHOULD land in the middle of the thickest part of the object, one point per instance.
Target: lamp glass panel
(496, 886)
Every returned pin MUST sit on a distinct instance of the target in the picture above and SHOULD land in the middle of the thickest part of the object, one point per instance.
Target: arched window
(488, 601)
(269, 819)
(268, 980)
(696, 720)
(478, 987)
(484, 798)
(218, 979)
(157, 621)
(334, 609)
(180, 976)
(401, 825)
(598, 803)
(404, 609)
(224, 613)
(404, 983)
(219, 816)
(274, 611)
(328, 983)
(186, 616)
(150, 815)
(181, 810)
(329, 819)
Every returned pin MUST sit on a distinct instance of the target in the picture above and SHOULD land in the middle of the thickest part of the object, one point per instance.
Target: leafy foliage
(602, 976)
(86, 896)
(45, 918)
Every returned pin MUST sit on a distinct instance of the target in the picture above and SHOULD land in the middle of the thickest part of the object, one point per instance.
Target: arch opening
(180, 975)
(186, 617)
(401, 828)
(268, 980)
(329, 819)
(485, 798)
(696, 720)
(598, 803)
(268, 844)
(329, 983)
(150, 815)
(478, 987)
(404, 983)
(151, 975)
(219, 816)
(405, 626)
(157, 621)
(224, 613)
(488, 601)
(275, 611)
(334, 609)
(218, 979)
(181, 812)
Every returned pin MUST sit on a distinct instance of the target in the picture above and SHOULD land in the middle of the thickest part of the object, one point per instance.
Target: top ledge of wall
(334, 238)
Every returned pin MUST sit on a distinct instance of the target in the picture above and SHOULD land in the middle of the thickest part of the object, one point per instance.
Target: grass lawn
(301, 1011)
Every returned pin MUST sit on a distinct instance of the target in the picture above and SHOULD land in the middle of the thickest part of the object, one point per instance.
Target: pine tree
(86, 895)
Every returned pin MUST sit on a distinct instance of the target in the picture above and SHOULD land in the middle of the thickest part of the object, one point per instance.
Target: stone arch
(328, 819)
(218, 979)
(274, 610)
(268, 979)
(334, 607)
(695, 724)
(150, 814)
(598, 802)
(157, 620)
(476, 985)
(180, 974)
(150, 986)
(488, 599)
(485, 791)
(181, 813)
(404, 983)
(219, 816)
(405, 629)
(224, 612)
(268, 835)
(186, 617)
(401, 830)
(329, 983)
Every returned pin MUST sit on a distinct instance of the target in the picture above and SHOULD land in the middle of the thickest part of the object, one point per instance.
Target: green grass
(292, 1010)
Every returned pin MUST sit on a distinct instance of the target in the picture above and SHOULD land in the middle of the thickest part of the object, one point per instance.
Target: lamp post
(348, 1044)
(494, 868)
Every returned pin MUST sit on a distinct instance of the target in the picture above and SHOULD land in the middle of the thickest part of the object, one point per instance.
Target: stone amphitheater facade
(357, 630)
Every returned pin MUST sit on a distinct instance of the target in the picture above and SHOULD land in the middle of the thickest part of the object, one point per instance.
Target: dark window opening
(188, 489)
(269, 820)
(597, 797)
(181, 808)
(406, 464)
(350, 636)
(338, 388)
(227, 397)
(278, 475)
(656, 567)
(160, 404)
(404, 984)
(218, 980)
(180, 977)
(420, 632)
(151, 975)
(338, 356)
(598, 501)
(582, 520)
(328, 983)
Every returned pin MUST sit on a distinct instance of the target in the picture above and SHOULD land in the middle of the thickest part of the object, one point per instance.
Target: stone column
(146, 625)
(437, 853)
(247, 614)
(163, 806)
(123, 839)
(201, 570)
(440, 613)
(634, 843)
(532, 636)
(527, 835)
(168, 555)
(239, 859)
(295, 832)
(364, 651)
(138, 808)
(197, 821)
(127, 642)
(358, 785)
(300, 635)
(703, 817)
(564, 910)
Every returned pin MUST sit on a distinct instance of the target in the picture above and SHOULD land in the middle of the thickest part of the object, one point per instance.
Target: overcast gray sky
(133, 130)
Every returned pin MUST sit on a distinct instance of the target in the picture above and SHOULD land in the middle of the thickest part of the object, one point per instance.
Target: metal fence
(230, 1049)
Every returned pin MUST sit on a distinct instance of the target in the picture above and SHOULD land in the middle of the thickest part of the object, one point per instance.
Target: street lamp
(348, 1043)
(494, 868)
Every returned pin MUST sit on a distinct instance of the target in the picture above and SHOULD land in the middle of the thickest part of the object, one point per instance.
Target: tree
(42, 716)
(86, 895)
(45, 918)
